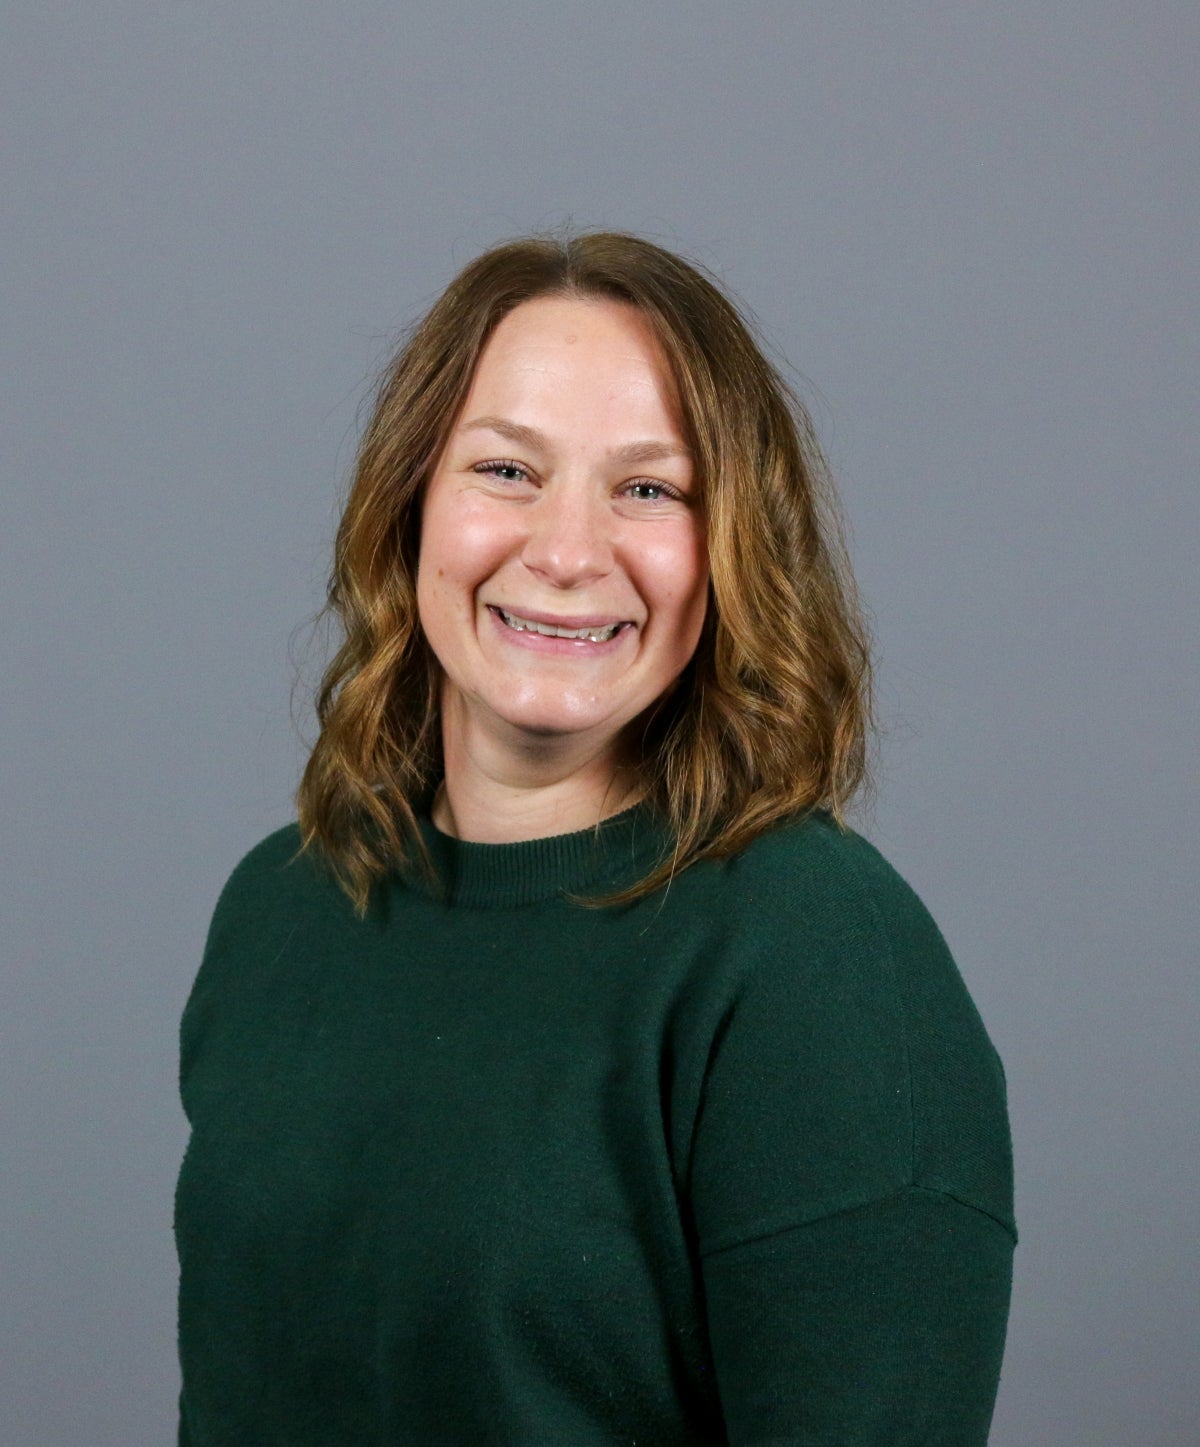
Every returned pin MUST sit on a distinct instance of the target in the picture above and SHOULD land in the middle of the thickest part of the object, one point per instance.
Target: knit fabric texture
(728, 1165)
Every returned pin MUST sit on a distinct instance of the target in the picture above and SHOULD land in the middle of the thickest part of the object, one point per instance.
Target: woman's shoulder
(830, 919)
(814, 866)
(847, 959)
(266, 860)
(271, 877)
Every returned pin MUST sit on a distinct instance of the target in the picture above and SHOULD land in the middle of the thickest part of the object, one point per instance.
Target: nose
(568, 542)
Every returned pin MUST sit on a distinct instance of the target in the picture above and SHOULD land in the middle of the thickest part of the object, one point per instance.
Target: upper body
(728, 1165)
(719, 1154)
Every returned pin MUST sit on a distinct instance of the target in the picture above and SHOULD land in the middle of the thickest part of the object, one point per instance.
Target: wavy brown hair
(772, 716)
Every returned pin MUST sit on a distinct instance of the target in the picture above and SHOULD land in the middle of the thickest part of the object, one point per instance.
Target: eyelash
(507, 465)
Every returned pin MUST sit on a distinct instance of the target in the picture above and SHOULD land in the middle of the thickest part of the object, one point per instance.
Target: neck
(500, 791)
(508, 816)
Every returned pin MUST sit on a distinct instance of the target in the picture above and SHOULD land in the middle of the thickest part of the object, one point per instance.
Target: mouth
(588, 630)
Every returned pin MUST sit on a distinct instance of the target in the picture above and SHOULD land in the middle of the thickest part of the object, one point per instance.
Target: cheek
(677, 572)
(462, 545)
(436, 573)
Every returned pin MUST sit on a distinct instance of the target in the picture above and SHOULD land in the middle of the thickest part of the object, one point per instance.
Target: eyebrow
(631, 452)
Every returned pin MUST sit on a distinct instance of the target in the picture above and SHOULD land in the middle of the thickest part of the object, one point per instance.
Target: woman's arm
(881, 1326)
(851, 1167)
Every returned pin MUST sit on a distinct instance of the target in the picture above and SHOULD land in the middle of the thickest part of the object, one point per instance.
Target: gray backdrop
(970, 227)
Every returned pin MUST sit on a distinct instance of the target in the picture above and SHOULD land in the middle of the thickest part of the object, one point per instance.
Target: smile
(550, 630)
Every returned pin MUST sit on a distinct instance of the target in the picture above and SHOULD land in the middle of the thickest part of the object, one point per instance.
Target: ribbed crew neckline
(611, 855)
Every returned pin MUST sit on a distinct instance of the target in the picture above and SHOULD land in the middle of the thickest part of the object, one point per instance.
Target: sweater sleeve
(881, 1326)
(851, 1175)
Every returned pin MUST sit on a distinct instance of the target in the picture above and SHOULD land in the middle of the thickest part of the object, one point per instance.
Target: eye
(504, 470)
(645, 489)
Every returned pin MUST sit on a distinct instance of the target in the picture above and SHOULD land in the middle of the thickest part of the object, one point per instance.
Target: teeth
(525, 625)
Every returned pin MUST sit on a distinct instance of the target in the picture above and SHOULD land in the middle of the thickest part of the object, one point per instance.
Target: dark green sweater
(729, 1165)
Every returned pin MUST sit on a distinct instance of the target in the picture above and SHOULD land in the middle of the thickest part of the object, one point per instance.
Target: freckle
(571, 339)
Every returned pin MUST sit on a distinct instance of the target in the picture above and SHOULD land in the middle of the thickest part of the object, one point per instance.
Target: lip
(549, 646)
(561, 620)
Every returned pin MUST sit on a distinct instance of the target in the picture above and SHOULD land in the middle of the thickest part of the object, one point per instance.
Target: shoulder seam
(848, 1210)
(1008, 1229)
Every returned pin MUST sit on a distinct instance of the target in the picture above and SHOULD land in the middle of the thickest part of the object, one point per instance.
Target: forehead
(571, 347)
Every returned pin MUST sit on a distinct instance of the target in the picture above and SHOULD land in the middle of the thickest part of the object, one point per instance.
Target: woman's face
(563, 573)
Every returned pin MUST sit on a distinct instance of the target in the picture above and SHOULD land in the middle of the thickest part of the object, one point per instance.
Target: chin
(548, 725)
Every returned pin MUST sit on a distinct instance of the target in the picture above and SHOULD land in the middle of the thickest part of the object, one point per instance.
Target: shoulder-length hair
(771, 717)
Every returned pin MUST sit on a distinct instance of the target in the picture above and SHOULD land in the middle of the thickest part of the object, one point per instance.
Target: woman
(570, 1073)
